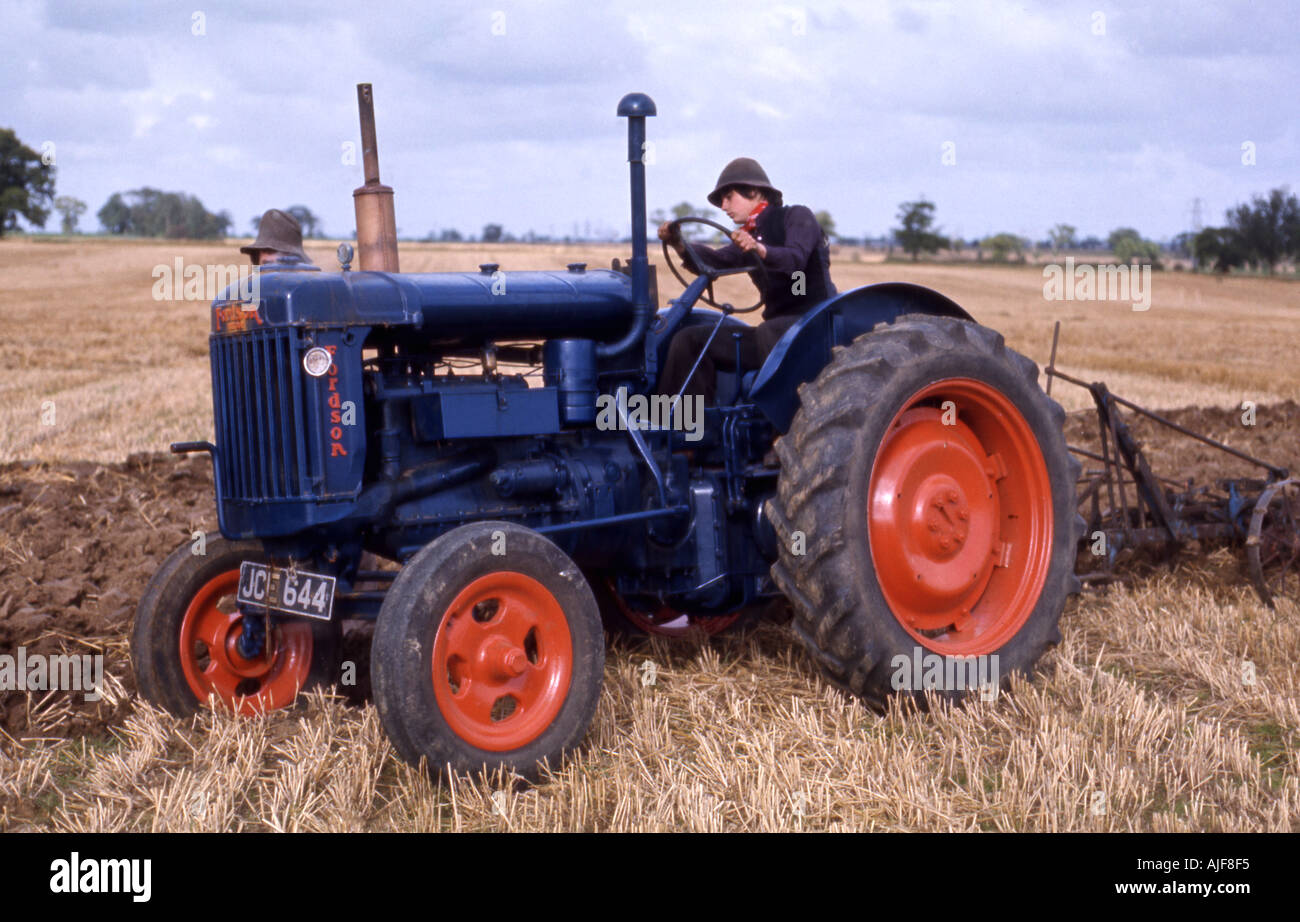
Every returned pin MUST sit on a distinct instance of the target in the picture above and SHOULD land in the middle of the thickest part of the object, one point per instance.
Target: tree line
(27, 181)
(1261, 234)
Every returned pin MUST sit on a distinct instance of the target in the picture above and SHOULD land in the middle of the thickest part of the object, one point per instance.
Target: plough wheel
(1273, 544)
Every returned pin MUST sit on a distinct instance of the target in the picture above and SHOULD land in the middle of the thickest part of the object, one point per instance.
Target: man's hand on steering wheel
(671, 235)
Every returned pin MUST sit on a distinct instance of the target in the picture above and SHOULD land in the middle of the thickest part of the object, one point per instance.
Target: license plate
(296, 592)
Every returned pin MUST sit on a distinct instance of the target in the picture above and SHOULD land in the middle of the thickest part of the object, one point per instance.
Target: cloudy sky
(1098, 114)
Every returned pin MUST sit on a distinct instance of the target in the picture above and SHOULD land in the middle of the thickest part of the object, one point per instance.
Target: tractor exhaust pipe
(376, 220)
(635, 107)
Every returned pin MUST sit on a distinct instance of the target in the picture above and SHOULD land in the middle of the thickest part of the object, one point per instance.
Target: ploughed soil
(79, 541)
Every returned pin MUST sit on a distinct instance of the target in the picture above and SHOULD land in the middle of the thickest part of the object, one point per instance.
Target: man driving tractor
(795, 256)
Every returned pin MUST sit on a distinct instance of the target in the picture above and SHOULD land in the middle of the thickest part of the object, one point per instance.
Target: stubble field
(1140, 719)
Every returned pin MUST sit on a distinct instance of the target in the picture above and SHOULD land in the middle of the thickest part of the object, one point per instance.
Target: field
(1141, 718)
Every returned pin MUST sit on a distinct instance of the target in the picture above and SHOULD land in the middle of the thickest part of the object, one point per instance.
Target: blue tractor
(893, 471)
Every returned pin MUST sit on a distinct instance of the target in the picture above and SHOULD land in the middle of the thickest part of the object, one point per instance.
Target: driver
(796, 262)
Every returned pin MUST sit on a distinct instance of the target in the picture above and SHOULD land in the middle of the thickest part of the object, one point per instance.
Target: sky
(1008, 116)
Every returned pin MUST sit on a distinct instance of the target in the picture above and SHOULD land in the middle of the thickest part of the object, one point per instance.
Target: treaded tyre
(488, 652)
(186, 629)
(926, 480)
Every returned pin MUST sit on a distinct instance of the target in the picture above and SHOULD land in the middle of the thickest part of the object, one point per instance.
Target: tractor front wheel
(185, 642)
(926, 512)
(488, 652)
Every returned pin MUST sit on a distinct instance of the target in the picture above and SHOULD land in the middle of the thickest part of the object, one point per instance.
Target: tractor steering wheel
(714, 273)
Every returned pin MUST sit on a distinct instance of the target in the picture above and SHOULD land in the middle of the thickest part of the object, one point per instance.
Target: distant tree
(1221, 249)
(1120, 234)
(71, 210)
(1129, 247)
(1268, 228)
(827, 223)
(693, 231)
(492, 233)
(311, 225)
(148, 212)
(115, 216)
(1062, 237)
(26, 183)
(1182, 244)
(1003, 245)
(1091, 243)
(915, 235)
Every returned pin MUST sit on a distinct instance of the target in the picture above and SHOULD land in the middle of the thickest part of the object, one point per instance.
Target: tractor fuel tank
(453, 306)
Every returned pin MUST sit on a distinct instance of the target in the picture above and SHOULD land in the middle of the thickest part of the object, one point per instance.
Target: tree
(827, 223)
(311, 225)
(26, 183)
(71, 209)
(915, 235)
(1119, 234)
(148, 212)
(492, 233)
(1003, 245)
(1268, 228)
(1129, 247)
(1220, 248)
(693, 231)
(115, 216)
(1062, 236)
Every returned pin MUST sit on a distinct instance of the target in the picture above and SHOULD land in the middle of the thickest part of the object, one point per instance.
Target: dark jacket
(795, 243)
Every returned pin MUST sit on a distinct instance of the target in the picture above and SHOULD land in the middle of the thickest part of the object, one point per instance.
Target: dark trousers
(755, 344)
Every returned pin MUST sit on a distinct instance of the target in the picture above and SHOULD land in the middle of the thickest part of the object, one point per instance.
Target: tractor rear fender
(805, 349)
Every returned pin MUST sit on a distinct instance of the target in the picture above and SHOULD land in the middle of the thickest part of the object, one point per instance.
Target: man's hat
(278, 230)
(743, 171)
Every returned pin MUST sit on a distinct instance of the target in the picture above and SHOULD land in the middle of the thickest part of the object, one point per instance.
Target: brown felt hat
(280, 231)
(743, 171)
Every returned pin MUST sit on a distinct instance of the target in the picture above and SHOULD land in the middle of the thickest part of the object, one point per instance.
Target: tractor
(893, 472)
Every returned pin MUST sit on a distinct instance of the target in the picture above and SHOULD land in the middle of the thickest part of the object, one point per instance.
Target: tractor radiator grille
(258, 405)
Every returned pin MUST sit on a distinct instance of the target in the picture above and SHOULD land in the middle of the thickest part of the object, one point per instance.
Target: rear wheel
(488, 652)
(622, 617)
(926, 511)
(186, 642)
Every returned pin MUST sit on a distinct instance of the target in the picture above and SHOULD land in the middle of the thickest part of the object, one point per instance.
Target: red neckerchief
(751, 223)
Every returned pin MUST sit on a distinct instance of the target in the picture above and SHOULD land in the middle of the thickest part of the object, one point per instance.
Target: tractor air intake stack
(635, 107)
(376, 221)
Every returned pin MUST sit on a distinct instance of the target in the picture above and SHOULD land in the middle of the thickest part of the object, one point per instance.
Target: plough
(1126, 505)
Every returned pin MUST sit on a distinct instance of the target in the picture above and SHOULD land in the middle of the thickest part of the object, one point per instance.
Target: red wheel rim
(213, 665)
(960, 518)
(667, 621)
(502, 661)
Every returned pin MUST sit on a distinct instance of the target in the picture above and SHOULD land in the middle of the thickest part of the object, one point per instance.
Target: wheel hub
(945, 515)
(502, 661)
(933, 515)
(211, 637)
(959, 517)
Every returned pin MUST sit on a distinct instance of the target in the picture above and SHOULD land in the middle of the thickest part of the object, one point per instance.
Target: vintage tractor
(893, 470)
